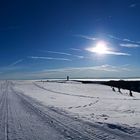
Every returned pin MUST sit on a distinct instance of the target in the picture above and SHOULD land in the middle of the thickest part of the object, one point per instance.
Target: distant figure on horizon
(68, 78)
(119, 89)
(130, 93)
(113, 89)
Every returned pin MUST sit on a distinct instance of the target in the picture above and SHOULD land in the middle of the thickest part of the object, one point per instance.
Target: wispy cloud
(114, 37)
(124, 39)
(132, 5)
(110, 36)
(109, 52)
(12, 67)
(49, 58)
(91, 71)
(79, 56)
(128, 45)
(68, 54)
(75, 49)
(131, 41)
(16, 62)
(63, 53)
(87, 37)
(105, 68)
(117, 53)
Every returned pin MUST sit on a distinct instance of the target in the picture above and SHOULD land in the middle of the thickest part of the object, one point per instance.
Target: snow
(91, 102)
(67, 110)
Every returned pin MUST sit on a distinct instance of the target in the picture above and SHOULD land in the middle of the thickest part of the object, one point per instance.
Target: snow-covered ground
(91, 102)
(32, 110)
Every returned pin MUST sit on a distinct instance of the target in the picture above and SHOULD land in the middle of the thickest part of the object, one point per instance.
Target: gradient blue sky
(49, 38)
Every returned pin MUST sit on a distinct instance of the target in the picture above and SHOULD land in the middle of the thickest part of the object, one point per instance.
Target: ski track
(24, 118)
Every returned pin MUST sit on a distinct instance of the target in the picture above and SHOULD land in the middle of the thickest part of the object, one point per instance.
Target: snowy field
(91, 102)
(60, 110)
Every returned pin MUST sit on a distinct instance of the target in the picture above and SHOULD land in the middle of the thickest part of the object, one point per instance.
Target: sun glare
(100, 48)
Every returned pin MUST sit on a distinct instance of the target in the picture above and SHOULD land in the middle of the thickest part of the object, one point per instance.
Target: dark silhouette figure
(113, 89)
(130, 93)
(68, 78)
(119, 89)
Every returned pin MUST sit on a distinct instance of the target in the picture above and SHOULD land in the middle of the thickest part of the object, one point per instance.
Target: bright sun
(100, 48)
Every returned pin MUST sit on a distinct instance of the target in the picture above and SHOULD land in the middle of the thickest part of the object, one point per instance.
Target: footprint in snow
(77, 106)
(104, 116)
(70, 107)
(90, 104)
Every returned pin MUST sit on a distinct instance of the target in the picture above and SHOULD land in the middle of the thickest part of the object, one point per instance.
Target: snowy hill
(88, 101)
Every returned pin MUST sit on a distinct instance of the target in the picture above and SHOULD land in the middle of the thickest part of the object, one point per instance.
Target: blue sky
(51, 38)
